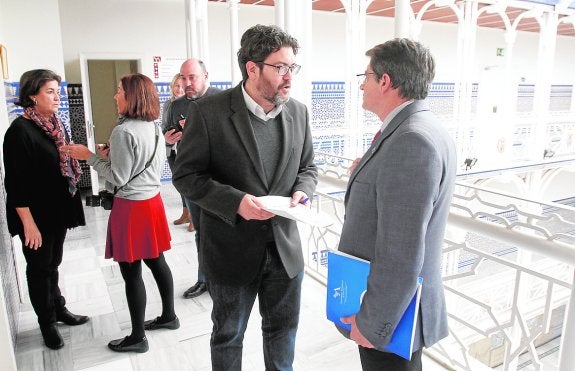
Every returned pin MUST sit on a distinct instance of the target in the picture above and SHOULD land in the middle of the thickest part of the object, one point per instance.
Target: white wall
(6, 346)
(157, 27)
(148, 28)
(32, 36)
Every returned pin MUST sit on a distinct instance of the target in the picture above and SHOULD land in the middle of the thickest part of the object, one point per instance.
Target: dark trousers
(374, 360)
(195, 212)
(171, 159)
(136, 291)
(42, 275)
(279, 303)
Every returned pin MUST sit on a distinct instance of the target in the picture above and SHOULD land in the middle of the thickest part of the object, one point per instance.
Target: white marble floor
(93, 286)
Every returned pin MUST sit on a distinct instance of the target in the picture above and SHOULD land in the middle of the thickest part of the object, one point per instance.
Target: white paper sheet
(281, 206)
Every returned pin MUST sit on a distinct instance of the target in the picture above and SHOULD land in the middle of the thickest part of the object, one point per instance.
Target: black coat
(33, 180)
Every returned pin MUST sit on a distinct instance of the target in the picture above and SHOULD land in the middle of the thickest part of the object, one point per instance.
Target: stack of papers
(281, 206)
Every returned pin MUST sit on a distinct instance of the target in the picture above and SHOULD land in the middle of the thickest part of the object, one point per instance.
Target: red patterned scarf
(53, 128)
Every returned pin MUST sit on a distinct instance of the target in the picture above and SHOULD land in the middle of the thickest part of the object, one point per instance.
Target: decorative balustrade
(508, 274)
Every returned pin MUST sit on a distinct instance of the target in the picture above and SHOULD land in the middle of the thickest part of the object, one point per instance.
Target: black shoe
(155, 324)
(123, 345)
(52, 337)
(70, 318)
(198, 289)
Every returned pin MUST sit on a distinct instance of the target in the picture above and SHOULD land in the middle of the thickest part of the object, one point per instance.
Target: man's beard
(278, 100)
(197, 94)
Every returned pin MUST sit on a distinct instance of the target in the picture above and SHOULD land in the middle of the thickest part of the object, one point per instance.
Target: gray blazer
(396, 206)
(218, 163)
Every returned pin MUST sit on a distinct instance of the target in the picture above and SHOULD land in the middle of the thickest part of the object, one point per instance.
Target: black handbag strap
(116, 189)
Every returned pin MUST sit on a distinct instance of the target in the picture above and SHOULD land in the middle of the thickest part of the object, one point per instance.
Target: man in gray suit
(247, 142)
(397, 203)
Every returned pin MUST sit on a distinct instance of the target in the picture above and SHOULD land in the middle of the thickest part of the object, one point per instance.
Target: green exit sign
(500, 52)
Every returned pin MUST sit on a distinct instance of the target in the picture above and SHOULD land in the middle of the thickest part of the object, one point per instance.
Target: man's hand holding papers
(282, 206)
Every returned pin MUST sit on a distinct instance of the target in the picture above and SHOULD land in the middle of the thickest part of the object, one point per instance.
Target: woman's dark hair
(30, 84)
(142, 100)
(260, 41)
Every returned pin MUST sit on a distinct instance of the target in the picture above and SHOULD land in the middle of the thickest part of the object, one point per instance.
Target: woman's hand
(32, 235)
(103, 150)
(77, 151)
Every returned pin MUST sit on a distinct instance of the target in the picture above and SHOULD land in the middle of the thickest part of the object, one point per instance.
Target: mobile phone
(177, 127)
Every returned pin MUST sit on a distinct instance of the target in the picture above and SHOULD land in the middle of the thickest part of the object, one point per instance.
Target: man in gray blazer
(397, 203)
(247, 142)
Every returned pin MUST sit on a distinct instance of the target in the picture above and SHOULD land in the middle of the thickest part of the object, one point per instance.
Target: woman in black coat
(43, 201)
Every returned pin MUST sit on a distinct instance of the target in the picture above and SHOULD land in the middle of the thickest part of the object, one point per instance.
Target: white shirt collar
(257, 110)
(394, 113)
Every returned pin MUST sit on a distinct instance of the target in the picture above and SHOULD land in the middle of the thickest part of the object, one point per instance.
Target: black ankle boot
(52, 337)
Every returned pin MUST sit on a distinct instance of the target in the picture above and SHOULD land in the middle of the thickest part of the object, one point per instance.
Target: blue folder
(346, 285)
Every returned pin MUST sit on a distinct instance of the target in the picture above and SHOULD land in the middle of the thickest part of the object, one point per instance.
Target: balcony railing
(508, 274)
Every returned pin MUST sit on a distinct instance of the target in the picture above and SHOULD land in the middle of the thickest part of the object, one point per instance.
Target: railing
(508, 274)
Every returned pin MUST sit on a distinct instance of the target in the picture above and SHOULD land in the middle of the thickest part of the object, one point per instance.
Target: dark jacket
(33, 180)
(218, 163)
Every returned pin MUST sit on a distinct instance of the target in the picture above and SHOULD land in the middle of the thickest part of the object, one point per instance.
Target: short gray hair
(408, 63)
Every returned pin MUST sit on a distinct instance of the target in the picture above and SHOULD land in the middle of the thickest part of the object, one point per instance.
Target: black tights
(136, 291)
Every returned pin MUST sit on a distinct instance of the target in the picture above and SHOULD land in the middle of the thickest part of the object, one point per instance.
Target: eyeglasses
(283, 70)
(364, 75)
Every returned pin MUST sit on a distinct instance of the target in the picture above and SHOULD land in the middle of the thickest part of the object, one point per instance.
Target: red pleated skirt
(137, 230)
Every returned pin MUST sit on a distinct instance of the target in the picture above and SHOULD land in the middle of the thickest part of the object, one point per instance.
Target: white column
(510, 95)
(468, 42)
(298, 24)
(191, 30)
(290, 16)
(509, 104)
(6, 346)
(202, 19)
(279, 13)
(458, 80)
(402, 14)
(355, 14)
(306, 45)
(567, 355)
(234, 41)
(545, 59)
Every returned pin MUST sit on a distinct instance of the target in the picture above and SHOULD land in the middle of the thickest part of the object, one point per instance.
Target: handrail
(520, 254)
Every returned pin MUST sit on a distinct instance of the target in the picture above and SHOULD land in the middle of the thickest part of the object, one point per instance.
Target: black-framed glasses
(283, 69)
(365, 74)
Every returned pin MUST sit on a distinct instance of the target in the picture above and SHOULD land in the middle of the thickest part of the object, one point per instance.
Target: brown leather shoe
(184, 218)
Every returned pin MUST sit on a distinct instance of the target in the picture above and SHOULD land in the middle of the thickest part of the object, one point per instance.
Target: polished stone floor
(93, 286)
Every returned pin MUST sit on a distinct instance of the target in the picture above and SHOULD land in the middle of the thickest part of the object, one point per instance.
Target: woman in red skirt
(137, 228)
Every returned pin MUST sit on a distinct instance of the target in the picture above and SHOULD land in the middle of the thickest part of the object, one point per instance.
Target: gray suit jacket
(397, 203)
(218, 163)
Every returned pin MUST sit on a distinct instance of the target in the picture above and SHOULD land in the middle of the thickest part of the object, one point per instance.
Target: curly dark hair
(260, 41)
